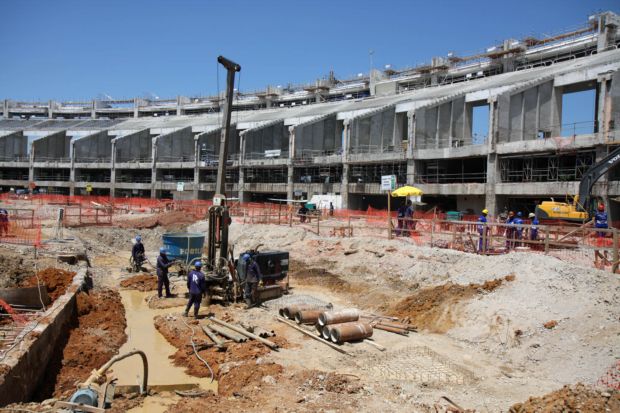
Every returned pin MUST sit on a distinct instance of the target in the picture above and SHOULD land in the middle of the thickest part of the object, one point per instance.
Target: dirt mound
(433, 308)
(304, 274)
(99, 334)
(56, 281)
(169, 220)
(140, 282)
(577, 398)
(178, 334)
(247, 374)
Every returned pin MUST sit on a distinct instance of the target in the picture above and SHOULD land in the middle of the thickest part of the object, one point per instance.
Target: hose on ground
(196, 351)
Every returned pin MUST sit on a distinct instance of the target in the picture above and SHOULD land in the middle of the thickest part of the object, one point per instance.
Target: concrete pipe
(337, 317)
(326, 332)
(341, 333)
(291, 310)
(319, 329)
(307, 316)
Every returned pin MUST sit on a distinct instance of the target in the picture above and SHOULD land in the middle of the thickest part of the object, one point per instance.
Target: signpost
(180, 186)
(388, 183)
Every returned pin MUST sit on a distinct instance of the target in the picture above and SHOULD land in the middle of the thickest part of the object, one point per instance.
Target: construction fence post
(546, 239)
(614, 265)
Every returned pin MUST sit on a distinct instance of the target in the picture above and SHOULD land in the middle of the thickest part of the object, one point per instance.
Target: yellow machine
(579, 210)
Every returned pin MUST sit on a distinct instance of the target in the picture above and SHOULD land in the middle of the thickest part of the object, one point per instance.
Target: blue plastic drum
(183, 246)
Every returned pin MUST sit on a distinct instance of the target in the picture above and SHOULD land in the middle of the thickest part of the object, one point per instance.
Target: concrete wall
(528, 111)
(134, 146)
(209, 143)
(269, 137)
(93, 147)
(27, 363)
(13, 145)
(176, 146)
(321, 136)
(373, 132)
(54, 146)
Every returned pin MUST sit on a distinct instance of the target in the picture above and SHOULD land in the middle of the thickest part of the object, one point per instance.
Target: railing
(451, 178)
(370, 149)
(93, 159)
(183, 158)
(133, 160)
(261, 156)
(15, 158)
(91, 178)
(47, 177)
(133, 179)
(52, 159)
(168, 178)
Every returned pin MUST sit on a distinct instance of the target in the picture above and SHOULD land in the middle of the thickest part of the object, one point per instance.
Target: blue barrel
(183, 246)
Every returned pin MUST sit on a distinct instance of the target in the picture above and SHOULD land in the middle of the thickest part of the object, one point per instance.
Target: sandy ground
(481, 340)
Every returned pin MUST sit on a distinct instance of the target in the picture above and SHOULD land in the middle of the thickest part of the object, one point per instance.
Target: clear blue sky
(78, 50)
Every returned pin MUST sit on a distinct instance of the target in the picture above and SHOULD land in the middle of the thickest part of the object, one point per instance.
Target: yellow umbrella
(407, 191)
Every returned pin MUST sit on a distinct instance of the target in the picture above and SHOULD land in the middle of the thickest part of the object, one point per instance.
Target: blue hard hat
(519, 214)
(162, 250)
(138, 238)
(198, 264)
(245, 257)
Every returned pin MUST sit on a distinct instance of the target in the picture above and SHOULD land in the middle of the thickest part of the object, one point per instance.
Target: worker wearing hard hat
(600, 220)
(197, 286)
(163, 264)
(252, 279)
(137, 252)
(518, 231)
(510, 230)
(482, 229)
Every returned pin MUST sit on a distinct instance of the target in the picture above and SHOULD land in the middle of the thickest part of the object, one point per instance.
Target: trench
(142, 335)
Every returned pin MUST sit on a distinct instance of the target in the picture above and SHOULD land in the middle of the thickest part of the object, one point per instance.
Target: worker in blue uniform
(518, 230)
(137, 252)
(510, 230)
(483, 229)
(600, 220)
(197, 286)
(163, 264)
(252, 279)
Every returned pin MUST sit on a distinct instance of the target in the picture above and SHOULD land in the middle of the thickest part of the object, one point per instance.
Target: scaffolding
(546, 167)
(373, 173)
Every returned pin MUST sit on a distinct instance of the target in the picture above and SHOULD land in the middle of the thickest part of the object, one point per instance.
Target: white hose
(195, 351)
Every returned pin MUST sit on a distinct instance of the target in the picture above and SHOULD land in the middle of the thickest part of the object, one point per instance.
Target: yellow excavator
(580, 209)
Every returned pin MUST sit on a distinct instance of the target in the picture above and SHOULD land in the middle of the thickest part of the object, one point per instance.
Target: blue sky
(77, 50)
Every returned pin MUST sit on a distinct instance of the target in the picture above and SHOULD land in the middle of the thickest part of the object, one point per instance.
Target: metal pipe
(218, 342)
(266, 342)
(392, 329)
(337, 317)
(319, 329)
(326, 332)
(289, 311)
(238, 338)
(350, 332)
(307, 316)
(145, 365)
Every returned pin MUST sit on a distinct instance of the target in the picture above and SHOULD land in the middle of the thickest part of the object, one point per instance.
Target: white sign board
(180, 186)
(388, 182)
(273, 153)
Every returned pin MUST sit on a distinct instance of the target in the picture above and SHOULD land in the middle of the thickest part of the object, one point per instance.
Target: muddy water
(142, 335)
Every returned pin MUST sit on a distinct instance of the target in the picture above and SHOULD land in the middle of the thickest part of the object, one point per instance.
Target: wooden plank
(28, 297)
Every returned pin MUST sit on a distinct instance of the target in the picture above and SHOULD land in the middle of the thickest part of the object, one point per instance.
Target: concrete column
(31, 163)
(410, 172)
(346, 147)
(136, 107)
(556, 111)
(604, 107)
(179, 106)
(5, 110)
(410, 133)
(93, 110)
(492, 162)
(50, 109)
(196, 167)
(289, 181)
(72, 170)
(154, 168)
(242, 194)
(113, 169)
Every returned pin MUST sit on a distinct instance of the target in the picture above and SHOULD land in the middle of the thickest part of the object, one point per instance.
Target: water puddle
(142, 335)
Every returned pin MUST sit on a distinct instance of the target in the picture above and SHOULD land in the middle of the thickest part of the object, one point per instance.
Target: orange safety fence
(21, 229)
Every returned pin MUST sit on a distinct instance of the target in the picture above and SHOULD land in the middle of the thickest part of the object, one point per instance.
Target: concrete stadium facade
(340, 137)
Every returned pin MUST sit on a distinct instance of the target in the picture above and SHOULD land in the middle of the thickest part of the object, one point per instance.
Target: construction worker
(197, 286)
(510, 230)
(518, 230)
(4, 222)
(482, 229)
(163, 263)
(600, 220)
(303, 213)
(137, 253)
(400, 219)
(534, 228)
(252, 278)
